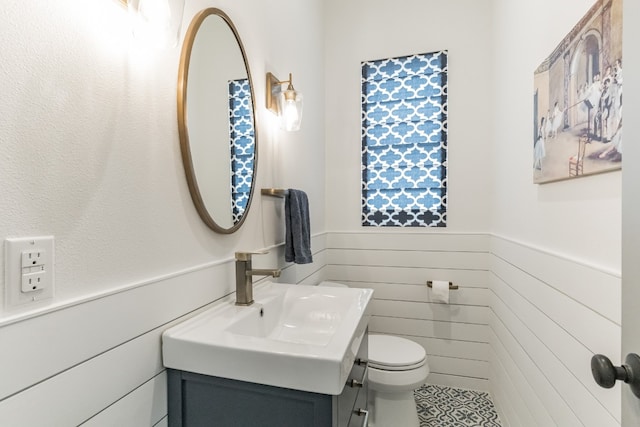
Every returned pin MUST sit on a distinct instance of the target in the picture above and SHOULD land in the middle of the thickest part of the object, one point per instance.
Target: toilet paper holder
(451, 285)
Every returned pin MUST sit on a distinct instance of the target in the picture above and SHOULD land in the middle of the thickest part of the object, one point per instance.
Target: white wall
(90, 145)
(579, 218)
(361, 30)
(90, 155)
(555, 264)
(549, 315)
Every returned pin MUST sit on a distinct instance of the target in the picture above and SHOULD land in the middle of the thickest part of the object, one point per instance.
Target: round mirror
(216, 121)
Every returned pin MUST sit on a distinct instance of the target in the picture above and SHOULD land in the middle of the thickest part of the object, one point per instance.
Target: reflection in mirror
(216, 121)
(242, 140)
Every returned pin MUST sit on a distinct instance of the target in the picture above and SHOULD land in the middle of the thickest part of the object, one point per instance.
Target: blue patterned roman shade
(241, 136)
(404, 141)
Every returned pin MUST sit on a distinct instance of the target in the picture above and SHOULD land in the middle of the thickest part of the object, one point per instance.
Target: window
(241, 136)
(404, 141)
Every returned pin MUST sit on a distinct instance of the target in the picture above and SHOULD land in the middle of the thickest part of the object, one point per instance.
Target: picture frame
(577, 100)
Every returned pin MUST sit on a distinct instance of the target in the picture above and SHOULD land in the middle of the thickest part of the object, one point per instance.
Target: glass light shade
(290, 106)
(156, 23)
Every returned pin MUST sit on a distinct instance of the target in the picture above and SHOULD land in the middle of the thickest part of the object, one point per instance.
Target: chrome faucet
(244, 276)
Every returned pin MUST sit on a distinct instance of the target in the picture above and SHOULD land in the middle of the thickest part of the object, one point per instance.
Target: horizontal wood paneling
(75, 334)
(566, 384)
(523, 324)
(463, 367)
(406, 276)
(543, 334)
(409, 258)
(459, 381)
(544, 312)
(508, 402)
(569, 314)
(431, 311)
(506, 342)
(98, 361)
(421, 293)
(452, 348)
(595, 288)
(569, 350)
(397, 266)
(430, 329)
(518, 392)
(144, 406)
(410, 240)
(77, 394)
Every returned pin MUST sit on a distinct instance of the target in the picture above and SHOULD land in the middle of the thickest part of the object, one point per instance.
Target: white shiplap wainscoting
(523, 325)
(97, 361)
(397, 266)
(549, 315)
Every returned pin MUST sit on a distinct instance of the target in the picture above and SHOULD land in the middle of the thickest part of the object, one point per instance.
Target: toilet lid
(395, 353)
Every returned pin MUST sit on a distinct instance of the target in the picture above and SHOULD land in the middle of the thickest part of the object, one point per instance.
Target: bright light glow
(155, 11)
(291, 113)
(153, 22)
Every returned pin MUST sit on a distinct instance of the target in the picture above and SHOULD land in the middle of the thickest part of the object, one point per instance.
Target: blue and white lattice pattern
(242, 137)
(404, 141)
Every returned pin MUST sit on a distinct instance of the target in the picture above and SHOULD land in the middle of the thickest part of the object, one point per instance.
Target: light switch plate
(29, 271)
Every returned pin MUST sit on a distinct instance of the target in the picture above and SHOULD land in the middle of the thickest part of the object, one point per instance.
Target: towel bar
(451, 285)
(274, 192)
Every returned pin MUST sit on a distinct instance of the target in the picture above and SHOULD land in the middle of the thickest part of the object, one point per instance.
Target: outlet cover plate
(15, 297)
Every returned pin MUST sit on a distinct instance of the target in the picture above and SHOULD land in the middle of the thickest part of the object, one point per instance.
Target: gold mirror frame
(183, 75)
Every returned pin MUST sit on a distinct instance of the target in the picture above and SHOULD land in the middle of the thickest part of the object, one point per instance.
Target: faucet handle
(246, 256)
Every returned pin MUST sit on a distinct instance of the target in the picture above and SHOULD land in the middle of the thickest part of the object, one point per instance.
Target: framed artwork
(577, 99)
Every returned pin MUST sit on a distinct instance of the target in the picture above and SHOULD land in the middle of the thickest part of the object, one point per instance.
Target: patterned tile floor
(440, 406)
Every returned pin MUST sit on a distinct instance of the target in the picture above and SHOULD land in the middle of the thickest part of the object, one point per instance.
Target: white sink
(293, 336)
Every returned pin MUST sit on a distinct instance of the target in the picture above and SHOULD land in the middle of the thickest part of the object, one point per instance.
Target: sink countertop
(293, 336)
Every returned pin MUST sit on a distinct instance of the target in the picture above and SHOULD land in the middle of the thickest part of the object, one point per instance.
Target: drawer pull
(356, 384)
(360, 412)
(360, 383)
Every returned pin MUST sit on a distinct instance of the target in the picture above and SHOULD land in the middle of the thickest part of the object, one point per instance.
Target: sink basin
(293, 336)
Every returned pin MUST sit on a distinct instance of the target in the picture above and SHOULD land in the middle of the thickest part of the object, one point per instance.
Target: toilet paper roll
(440, 291)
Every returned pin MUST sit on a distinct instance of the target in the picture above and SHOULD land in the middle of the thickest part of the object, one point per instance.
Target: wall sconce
(156, 22)
(286, 104)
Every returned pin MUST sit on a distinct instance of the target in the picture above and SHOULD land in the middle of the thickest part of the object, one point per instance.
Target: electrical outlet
(33, 281)
(32, 258)
(29, 271)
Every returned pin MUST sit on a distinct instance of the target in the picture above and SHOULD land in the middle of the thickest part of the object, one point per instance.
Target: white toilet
(397, 366)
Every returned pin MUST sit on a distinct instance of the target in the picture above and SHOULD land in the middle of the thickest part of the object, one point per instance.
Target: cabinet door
(357, 388)
(359, 417)
(200, 400)
(346, 401)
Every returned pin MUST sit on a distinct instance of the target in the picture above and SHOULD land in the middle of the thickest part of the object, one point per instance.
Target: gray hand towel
(297, 245)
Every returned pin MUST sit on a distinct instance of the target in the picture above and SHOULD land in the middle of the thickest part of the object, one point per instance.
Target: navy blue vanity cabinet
(197, 400)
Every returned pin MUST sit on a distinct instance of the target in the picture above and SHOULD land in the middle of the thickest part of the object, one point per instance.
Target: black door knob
(606, 374)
